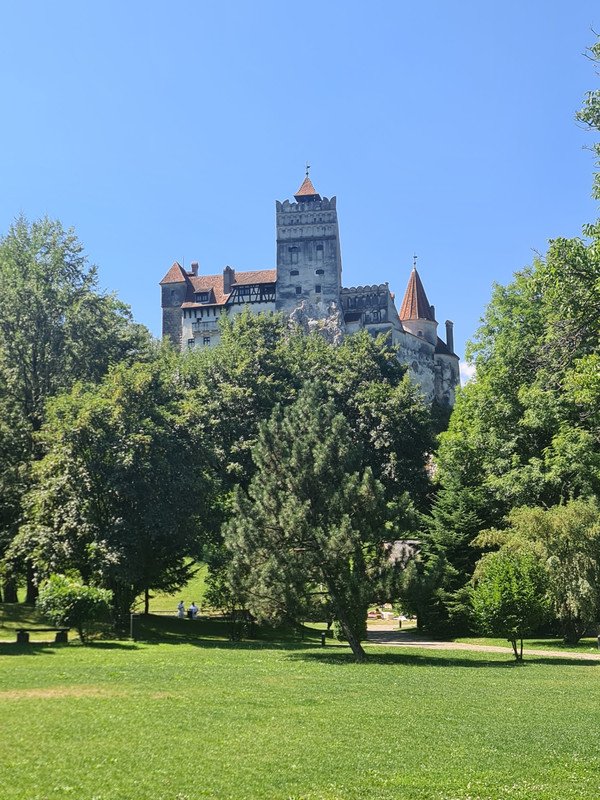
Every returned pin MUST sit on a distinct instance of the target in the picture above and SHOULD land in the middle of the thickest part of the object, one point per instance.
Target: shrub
(509, 598)
(68, 602)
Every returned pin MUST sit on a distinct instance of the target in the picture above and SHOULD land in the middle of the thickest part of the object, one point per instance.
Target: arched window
(319, 272)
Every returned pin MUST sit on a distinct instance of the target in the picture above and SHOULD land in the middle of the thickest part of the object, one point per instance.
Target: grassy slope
(200, 718)
(193, 591)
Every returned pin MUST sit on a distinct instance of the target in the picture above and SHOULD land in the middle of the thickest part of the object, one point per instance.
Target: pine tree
(311, 522)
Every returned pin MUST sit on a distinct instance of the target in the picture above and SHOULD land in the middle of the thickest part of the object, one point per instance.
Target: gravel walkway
(398, 639)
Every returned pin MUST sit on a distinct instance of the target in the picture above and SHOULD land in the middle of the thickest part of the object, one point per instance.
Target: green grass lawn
(191, 592)
(587, 645)
(16, 615)
(194, 716)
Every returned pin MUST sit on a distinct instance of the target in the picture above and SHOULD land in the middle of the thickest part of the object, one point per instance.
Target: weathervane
(307, 168)
(415, 261)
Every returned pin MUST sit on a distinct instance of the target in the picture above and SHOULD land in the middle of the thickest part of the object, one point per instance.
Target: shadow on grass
(216, 631)
(31, 649)
(406, 659)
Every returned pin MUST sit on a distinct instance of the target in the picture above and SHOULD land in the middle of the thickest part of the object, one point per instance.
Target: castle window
(319, 252)
(420, 333)
(298, 290)
(318, 288)
(202, 297)
(294, 255)
(190, 343)
(319, 272)
(206, 340)
(294, 272)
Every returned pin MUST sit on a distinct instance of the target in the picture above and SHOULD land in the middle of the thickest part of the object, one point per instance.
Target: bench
(60, 638)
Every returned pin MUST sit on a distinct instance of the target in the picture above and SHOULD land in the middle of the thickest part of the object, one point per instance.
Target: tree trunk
(146, 601)
(515, 649)
(32, 589)
(10, 590)
(573, 630)
(357, 649)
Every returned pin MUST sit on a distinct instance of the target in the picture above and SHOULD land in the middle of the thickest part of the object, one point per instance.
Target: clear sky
(166, 131)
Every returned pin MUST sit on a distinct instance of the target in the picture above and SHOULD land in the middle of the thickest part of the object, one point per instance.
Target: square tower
(309, 260)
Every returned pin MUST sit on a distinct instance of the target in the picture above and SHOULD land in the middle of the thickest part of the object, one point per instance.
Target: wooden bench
(61, 637)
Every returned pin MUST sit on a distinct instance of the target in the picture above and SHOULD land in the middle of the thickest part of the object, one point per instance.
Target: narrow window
(318, 288)
(298, 290)
(294, 255)
(206, 340)
(319, 252)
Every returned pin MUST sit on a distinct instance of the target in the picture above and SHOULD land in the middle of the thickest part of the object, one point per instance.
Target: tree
(567, 540)
(70, 603)
(119, 493)
(262, 362)
(311, 521)
(55, 328)
(509, 595)
(525, 432)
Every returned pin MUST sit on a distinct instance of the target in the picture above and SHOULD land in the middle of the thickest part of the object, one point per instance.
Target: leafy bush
(509, 598)
(68, 602)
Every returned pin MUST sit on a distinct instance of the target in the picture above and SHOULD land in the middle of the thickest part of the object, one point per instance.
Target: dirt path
(394, 638)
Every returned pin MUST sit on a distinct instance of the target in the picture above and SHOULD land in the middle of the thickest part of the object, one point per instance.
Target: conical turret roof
(307, 191)
(415, 304)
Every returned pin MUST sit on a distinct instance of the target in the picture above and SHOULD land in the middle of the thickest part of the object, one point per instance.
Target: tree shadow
(411, 659)
(31, 649)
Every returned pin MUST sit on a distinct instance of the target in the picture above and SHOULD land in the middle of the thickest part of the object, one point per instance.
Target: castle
(307, 286)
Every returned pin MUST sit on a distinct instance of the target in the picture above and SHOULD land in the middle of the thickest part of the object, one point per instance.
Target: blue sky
(166, 132)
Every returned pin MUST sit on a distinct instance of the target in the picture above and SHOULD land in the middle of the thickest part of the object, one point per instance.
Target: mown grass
(198, 717)
(18, 615)
(193, 591)
(585, 645)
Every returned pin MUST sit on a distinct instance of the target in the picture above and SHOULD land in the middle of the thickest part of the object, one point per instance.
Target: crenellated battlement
(375, 288)
(287, 207)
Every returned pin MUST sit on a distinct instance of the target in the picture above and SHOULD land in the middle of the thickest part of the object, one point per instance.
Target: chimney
(450, 335)
(194, 266)
(228, 279)
(432, 308)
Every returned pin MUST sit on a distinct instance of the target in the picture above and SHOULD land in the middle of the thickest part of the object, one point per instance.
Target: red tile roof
(415, 304)
(176, 274)
(307, 189)
(214, 285)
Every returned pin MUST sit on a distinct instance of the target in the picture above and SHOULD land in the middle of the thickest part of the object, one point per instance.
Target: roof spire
(307, 191)
(415, 304)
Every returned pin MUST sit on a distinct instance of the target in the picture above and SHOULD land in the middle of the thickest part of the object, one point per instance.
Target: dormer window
(202, 297)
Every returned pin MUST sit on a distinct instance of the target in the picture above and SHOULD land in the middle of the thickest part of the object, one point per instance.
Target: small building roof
(415, 304)
(176, 274)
